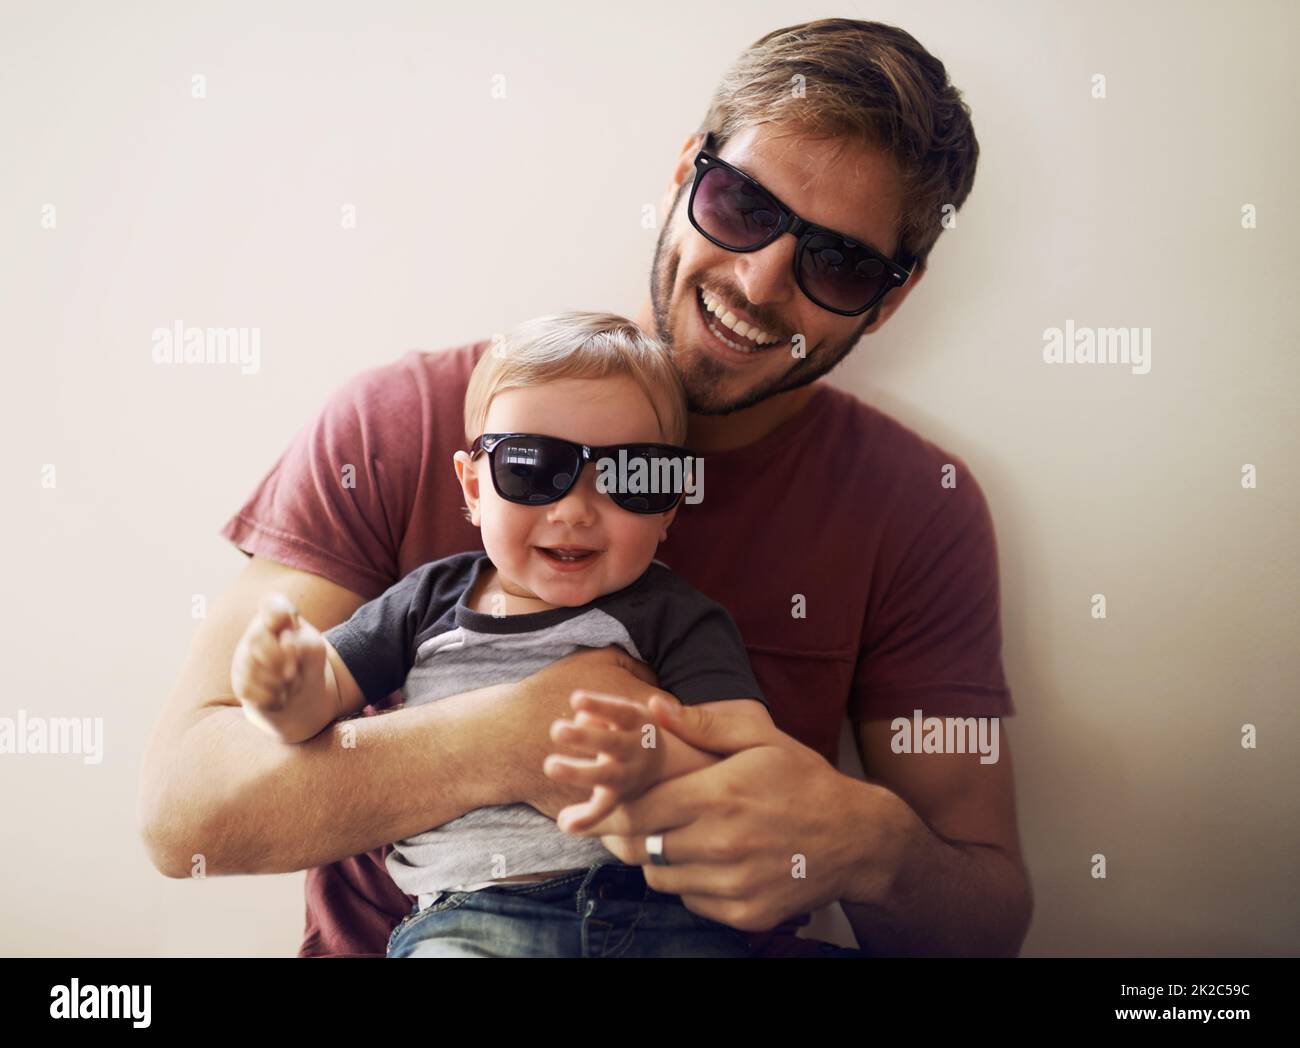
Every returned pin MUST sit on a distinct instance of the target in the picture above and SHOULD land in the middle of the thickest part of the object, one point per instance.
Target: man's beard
(703, 375)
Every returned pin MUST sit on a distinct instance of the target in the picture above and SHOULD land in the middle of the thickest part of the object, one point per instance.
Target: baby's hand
(623, 740)
(278, 653)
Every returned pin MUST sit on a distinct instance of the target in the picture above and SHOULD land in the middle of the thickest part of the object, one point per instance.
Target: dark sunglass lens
(732, 210)
(840, 274)
(655, 479)
(533, 471)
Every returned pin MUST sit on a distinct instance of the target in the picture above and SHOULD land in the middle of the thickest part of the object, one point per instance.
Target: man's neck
(711, 434)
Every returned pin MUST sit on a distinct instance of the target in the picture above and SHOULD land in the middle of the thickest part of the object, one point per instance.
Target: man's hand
(537, 701)
(769, 832)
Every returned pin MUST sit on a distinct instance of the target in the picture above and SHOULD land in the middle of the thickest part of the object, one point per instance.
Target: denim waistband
(602, 880)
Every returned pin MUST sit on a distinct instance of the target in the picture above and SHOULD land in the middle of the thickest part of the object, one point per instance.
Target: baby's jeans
(607, 910)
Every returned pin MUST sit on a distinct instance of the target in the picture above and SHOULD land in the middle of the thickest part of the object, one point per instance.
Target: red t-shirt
(841, 505)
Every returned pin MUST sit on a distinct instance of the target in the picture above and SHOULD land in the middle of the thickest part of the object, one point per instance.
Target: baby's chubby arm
(287, 676)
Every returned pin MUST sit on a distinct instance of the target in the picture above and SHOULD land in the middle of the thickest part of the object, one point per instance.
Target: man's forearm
(253, 804)
(946, 899)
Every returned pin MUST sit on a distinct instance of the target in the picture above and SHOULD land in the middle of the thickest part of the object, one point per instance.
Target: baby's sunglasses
(533, 469)
(732, 210)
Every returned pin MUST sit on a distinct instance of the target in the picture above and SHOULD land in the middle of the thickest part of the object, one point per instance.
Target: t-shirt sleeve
(377, 644)
(701, 657)
(935, 641)
(336, 502)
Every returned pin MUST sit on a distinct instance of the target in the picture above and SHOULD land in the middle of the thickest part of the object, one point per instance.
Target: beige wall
(225, 212)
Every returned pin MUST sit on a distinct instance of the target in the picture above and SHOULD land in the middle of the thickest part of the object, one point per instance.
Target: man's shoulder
(885, 437)
(401, 409)
(418, 372)
(458, 359)
(890, 461)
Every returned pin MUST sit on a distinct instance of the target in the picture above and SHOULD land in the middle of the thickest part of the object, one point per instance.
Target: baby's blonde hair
(578, 344)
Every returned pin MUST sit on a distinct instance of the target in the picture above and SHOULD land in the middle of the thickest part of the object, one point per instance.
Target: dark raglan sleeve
(694, 646)
(377, 644)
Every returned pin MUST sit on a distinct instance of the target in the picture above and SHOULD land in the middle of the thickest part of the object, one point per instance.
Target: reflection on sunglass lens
(840, 274)
(528, 470)
(732, 209)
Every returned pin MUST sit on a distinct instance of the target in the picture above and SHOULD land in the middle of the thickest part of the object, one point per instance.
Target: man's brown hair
(866, 81)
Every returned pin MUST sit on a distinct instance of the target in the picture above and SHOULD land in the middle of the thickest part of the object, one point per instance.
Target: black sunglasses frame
(706, 160)
(489, 442)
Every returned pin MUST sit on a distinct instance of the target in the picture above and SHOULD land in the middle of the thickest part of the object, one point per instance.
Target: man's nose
(766, 276)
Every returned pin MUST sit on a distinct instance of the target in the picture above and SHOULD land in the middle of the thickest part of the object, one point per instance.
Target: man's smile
(739, 338)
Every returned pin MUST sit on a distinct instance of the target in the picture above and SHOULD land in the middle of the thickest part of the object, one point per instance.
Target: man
(857, 559)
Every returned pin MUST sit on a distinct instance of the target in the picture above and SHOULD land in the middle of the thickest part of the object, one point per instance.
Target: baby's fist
(277, 654)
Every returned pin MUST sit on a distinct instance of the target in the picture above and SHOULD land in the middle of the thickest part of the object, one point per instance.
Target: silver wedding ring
(654, 846)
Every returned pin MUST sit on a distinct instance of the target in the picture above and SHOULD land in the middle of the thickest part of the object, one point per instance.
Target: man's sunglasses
(533, 470)
(734, 211)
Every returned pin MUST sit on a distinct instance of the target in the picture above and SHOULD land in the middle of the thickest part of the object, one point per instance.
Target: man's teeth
(756, 336)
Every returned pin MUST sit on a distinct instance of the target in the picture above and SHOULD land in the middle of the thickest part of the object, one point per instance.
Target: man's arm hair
(213, 784)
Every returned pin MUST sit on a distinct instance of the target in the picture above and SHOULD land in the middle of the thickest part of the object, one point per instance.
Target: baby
(568, 563)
